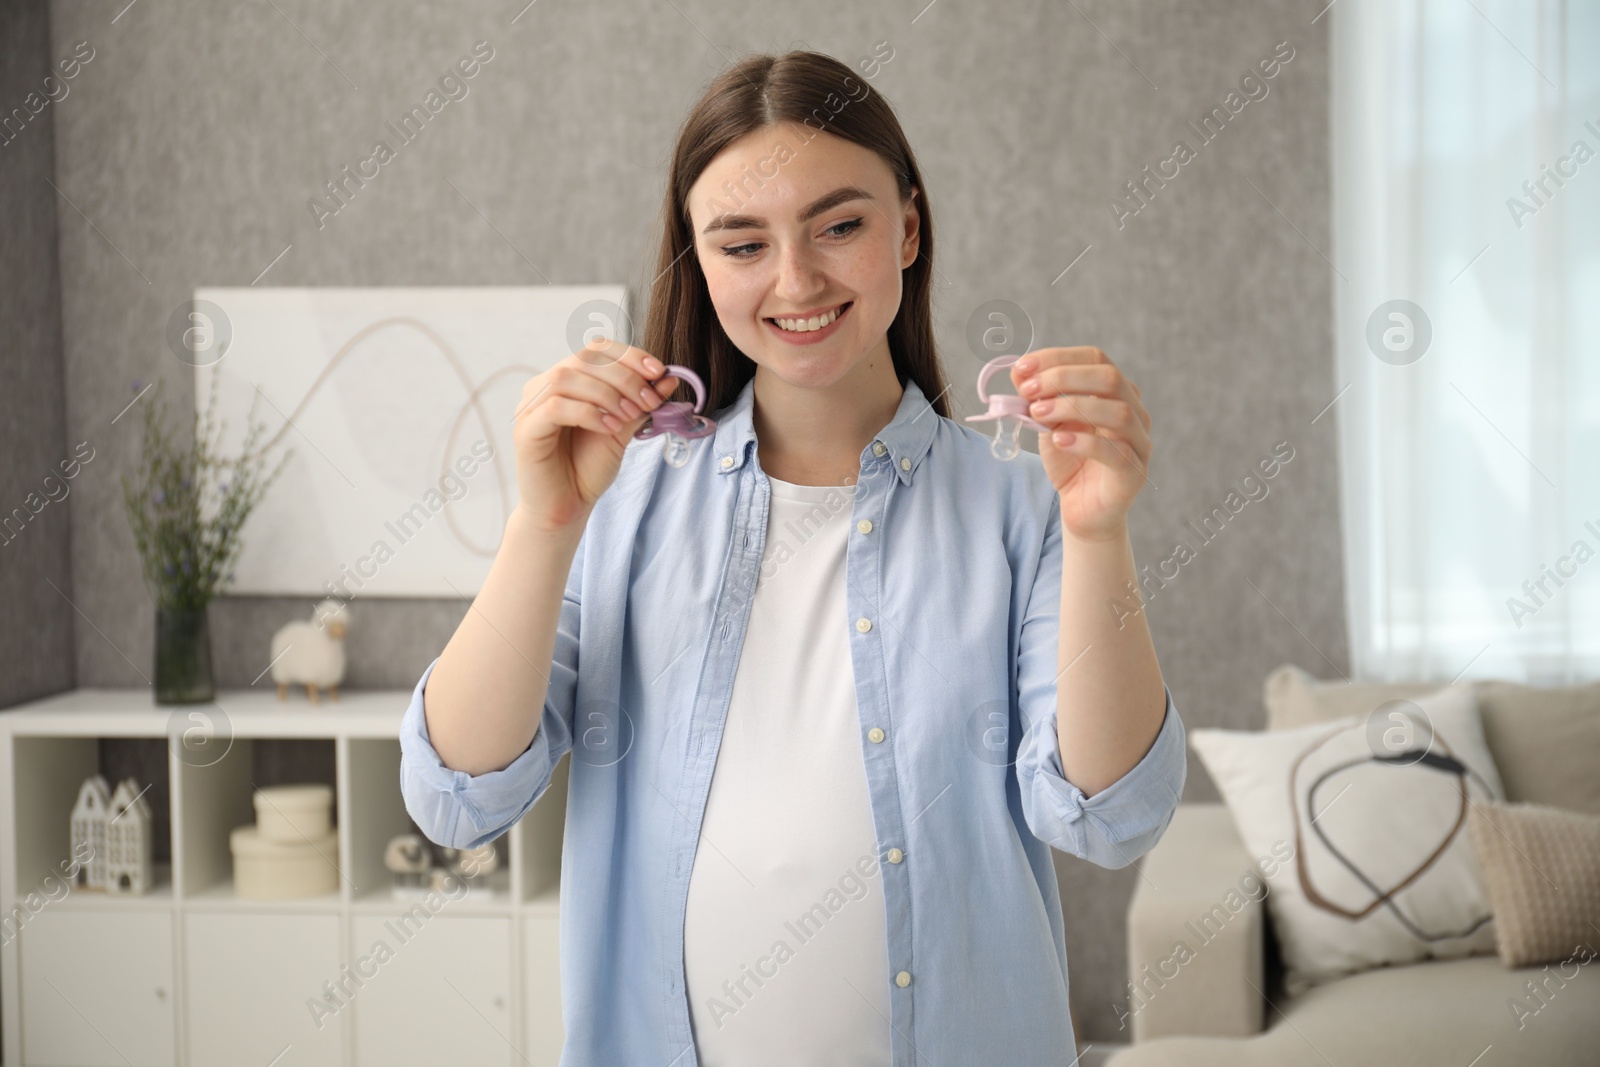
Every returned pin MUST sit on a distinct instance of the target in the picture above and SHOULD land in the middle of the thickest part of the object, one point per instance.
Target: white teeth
(816, 322)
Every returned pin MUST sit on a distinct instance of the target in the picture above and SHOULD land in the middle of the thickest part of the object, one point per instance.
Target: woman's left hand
(1099, 448)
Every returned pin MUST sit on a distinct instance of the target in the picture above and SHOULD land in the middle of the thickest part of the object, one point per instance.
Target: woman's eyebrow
(827, 202)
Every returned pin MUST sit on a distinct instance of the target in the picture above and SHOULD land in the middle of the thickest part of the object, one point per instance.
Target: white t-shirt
(785, 940)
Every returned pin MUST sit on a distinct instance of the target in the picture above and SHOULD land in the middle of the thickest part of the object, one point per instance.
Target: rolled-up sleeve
(1120, 823)
(460, 810)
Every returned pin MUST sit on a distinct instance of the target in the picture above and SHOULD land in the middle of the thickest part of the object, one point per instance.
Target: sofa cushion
(1541, 867)
(1439, 1014)
(1380, 868)
(1545, 739)
(1295, 698)
(1546, 742)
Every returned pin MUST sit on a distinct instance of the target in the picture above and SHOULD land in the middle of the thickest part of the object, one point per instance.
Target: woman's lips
(811, 337)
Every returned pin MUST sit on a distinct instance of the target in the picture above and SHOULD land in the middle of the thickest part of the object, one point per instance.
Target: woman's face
(777, 239)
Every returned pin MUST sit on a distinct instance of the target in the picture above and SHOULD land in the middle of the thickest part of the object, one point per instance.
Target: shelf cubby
(375, 812)
(215, 797)
(48, 774)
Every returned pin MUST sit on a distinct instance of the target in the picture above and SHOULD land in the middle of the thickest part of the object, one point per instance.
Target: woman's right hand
(573, 424)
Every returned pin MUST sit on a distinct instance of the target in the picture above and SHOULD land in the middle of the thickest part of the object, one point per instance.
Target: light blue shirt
(953, 576)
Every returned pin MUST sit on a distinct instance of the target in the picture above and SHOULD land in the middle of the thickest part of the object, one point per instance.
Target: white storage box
(278, 870)
(294, 814)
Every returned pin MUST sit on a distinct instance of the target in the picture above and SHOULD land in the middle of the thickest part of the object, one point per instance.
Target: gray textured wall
(192, 141)
(36, 629)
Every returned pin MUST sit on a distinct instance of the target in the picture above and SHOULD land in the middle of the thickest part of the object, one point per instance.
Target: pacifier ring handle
(988, 372)
(699, 387)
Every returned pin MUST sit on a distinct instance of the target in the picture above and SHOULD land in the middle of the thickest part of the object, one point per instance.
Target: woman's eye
(841, 229)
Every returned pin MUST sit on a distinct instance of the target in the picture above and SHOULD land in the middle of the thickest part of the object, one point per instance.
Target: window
(1466, 191)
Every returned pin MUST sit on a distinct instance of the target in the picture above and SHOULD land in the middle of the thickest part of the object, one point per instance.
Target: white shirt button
(895, 856)
(863, 624)
(879, 448)
(865, 525)
(875, 735)
(905, 463)
(727, 461)
(902, 979)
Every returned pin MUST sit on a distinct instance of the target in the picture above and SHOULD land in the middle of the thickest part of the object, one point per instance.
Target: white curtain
(1466, 158)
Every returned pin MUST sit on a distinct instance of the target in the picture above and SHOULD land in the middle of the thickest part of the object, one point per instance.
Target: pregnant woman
(835, 686)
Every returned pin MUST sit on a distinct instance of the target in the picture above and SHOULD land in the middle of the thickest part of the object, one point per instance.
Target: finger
(568, 411)
(1043, 358)
(1099, 379)
(572, 403)
(633, 372)
(650, 397)
(1106, 450)
(1121, 450)
(1114, 419)
(1077, 411)
(575, 381)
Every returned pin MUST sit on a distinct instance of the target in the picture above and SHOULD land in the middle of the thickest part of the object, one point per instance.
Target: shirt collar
(901, 444)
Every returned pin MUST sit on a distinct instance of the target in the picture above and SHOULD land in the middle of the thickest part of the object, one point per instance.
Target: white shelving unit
(188, 975)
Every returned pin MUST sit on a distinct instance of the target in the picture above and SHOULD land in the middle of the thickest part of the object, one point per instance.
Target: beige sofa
(1223, 1002)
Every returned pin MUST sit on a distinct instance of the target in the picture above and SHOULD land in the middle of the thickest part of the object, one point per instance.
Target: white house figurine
(312, 653)
(128, 867)
(88, 824)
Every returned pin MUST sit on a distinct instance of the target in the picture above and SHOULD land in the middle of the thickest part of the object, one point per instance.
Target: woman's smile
(806, 333)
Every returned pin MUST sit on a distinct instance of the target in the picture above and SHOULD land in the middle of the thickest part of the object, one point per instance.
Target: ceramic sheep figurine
(312, 653)
(471, 863)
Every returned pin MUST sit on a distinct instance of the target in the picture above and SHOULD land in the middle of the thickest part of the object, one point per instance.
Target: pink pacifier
(1008, 411)
(678, 421)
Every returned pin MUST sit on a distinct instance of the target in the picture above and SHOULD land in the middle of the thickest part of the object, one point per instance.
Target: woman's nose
(799, 273)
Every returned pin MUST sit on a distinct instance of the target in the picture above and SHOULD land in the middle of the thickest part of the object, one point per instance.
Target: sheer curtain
(1466, 152)
(1466, 190)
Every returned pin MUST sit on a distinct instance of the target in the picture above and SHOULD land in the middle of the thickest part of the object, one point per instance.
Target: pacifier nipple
(1007, 439)
(675, 450)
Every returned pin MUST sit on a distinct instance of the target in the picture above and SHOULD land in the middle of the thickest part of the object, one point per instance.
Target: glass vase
(183, 657)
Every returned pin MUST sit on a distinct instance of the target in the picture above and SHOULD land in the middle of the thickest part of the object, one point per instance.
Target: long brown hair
(758, 92)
